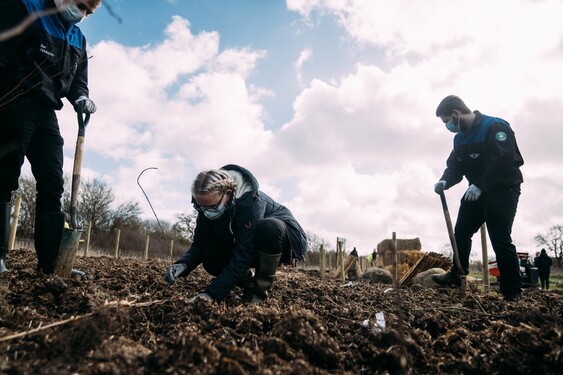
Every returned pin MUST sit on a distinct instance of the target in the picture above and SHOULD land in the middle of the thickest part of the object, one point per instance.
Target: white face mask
(69, 11)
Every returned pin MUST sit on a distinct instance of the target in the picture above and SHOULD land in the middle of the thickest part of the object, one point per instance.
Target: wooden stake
(485, 256)
(322, 262)
(395, 274)
(87, 246)
(117, 243)
(15, 218)
(147, 247)
(171, 250)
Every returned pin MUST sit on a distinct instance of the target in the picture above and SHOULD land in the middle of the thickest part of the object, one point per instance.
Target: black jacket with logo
(233, 235)
(47, 60)
(487, 155)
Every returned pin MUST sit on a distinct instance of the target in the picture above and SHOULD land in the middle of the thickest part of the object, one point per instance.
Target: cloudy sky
(330, 103)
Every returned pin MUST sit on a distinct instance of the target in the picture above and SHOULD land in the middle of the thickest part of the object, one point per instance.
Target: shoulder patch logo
(501, 136)
(474, 155)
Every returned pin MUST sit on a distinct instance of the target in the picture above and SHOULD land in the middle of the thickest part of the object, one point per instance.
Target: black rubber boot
(266, 266)
(5, 210)
(49, 228)
(451, 278)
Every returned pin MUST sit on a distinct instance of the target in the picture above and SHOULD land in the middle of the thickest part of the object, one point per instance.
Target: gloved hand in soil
(203, 296)
(472, 194)
(439, 186)
(87, 103)
(174, 271)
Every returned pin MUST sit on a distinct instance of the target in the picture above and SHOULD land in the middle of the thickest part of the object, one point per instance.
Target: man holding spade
(486, 153)
(40, 63)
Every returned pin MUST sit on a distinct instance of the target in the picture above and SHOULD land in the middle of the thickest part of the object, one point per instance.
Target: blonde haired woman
(238, 228)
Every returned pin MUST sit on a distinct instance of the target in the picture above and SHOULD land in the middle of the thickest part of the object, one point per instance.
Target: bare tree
(94, 205)
(184, 228)
(126, 215)
(28, 193)
(314, 242)
(552, 241)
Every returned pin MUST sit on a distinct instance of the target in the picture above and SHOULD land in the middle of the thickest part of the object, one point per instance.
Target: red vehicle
(527, 269)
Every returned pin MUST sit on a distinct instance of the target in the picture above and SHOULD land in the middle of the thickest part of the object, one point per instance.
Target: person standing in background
(543, 263)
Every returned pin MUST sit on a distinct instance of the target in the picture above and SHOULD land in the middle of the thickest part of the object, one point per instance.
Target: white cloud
(305, 55)
(502, 61)
(361, 153)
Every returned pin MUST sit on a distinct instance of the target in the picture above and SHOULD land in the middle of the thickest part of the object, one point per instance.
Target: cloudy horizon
(330, 104)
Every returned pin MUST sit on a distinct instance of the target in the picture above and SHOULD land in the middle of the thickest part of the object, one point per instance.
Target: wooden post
(171, 249)
(322, 262)
(340, 246)
(395, 274)
(88, 232)
(147, 247)
(485, 256)
(117, 243)
(14, 228)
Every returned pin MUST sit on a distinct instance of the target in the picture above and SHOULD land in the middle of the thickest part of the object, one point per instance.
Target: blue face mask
(214, 213)
(453, 127)
(72, 14)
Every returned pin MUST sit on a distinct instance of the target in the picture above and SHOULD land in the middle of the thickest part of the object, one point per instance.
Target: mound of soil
(124, 319)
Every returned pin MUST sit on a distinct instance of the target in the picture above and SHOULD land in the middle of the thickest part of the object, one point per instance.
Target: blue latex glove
(173, 271)
(88, 104)
(472, 194)
(203, 296)
(439, 186)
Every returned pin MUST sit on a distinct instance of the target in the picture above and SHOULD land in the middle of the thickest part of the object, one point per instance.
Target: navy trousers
(497, 209)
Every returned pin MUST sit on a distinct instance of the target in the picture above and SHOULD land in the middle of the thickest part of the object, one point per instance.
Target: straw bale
(409, 257)
(402, 244)
(402, 269)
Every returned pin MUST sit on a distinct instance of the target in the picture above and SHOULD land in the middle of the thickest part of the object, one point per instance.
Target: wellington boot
(266, 266)
(451, 278)
(49, 227)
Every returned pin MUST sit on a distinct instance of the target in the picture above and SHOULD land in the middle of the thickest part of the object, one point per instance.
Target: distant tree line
(96, 207)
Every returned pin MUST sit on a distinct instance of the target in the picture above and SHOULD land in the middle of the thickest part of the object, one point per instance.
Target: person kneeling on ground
(238, 228)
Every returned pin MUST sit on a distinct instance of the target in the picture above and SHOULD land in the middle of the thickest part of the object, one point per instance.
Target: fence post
(171, 249)
(88, 232)
(485, 256)
(117, 243)
(395, 274)
(341, 245)
(14, 228)
(322, 262)
(147, 247)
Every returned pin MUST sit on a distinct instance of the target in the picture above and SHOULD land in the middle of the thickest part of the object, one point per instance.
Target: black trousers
(544, 279)
(497, 209)
(270, 238)
(29, 129)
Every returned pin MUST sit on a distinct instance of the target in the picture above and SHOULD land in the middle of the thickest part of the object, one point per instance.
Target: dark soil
(124, 319)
